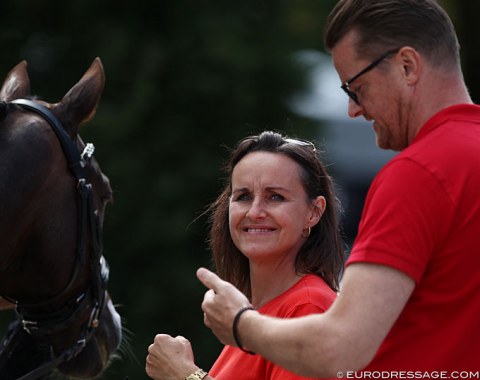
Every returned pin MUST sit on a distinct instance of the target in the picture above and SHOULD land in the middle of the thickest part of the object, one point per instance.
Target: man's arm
(346, 337)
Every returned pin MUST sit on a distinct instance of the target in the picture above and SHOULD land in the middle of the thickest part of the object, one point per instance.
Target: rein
(39, 324)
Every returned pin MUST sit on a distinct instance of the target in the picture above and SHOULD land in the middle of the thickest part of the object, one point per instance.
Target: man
(410, 298)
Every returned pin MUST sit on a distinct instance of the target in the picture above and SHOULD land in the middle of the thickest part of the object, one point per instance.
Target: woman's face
(269, 208)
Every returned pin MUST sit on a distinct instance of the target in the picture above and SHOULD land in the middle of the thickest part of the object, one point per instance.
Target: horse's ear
(16, 84)
(79, 104)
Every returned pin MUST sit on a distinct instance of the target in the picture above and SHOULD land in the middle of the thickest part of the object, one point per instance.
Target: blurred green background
(184, 80)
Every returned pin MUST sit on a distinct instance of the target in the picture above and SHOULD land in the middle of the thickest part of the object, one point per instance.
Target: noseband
(32, 317)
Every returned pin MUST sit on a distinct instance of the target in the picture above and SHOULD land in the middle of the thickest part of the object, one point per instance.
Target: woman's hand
(170, 358)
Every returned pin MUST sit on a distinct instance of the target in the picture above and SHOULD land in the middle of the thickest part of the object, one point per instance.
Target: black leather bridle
(32, 317)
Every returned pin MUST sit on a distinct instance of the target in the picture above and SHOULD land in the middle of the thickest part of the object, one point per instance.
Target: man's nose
(354, 109)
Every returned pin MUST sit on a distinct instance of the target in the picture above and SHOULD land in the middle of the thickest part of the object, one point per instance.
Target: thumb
(209, 279)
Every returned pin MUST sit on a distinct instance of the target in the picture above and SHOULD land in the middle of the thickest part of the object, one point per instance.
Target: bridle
(32, 317)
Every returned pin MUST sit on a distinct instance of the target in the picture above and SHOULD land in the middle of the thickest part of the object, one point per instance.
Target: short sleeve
(405, 219)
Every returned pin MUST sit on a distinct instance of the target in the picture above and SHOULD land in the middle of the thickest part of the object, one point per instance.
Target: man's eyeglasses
(346, 85)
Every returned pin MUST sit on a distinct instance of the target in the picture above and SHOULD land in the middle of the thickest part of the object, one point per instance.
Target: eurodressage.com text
(455, 375)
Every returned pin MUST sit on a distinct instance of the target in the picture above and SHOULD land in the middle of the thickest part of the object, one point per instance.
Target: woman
(283, 249)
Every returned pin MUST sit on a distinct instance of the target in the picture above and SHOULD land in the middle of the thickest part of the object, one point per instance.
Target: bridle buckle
(29, 326)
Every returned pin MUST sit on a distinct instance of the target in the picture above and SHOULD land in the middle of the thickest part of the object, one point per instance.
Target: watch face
(197, 375)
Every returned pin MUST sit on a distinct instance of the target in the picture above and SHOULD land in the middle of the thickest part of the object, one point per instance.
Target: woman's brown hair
(321, 254)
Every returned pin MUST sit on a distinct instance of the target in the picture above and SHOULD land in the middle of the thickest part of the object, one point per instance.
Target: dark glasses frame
(346, 85)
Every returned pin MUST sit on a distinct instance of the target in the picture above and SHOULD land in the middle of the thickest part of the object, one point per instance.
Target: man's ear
(411, 62)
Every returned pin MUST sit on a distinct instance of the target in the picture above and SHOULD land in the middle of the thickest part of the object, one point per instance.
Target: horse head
(52, 201)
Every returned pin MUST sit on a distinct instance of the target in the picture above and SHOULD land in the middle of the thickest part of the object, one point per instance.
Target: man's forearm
(345, 337)
(296, 344)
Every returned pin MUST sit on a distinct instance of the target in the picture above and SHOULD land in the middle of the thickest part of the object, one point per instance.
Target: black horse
(52, 201)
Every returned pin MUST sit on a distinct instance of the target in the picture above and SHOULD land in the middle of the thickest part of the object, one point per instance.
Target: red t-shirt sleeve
(404, 218)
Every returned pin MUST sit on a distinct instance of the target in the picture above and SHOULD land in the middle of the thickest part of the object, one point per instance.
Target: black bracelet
(235, 326)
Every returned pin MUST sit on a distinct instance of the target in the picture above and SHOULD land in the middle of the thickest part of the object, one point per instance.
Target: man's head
(382, 25)
(395, 58)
